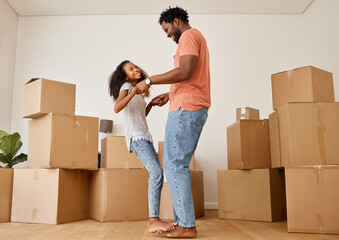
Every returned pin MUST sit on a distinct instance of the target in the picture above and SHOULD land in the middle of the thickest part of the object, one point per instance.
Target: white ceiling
(99, 7)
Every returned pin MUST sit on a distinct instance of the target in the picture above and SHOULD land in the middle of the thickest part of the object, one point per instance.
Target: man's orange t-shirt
(192, 94)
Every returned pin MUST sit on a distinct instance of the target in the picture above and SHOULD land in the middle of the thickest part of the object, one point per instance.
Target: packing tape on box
(36, 174)
(76, 122)
(290, 78)
(320, 222)
(34, 214)
(321, 129)
(318, 170)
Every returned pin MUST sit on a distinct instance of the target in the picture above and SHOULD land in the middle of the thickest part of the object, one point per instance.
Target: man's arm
(184, 72)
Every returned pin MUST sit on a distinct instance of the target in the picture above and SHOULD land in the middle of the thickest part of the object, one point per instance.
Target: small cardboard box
(114, 154)
(42, 96)
(306, 84)
(248, 145)
(6, 186)
(312, 194)
(119, 195)
(161, 145)
(197, 186)
(308, 134)
(274, 140)
(257, 194)
(247, 113)
(63, 141)
(50, 196)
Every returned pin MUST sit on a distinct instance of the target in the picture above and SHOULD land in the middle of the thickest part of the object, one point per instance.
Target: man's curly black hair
(168, 15)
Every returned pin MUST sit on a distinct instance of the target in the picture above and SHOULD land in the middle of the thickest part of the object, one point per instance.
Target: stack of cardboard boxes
(303, 138)
(55, 187)
(197, 186)
(250, 189)
(62, 182)
(304, 132)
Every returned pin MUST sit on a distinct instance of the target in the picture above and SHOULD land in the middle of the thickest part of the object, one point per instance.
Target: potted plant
(10, 144)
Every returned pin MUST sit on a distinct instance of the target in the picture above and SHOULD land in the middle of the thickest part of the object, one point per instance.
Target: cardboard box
(42, 96)
(197, 186)
(6, 186)
(114, 154)
(248, 145)
(51, 196)
(247, 113)
(161, 145)
(63, 141)
(119, 195)
(274, 140)
(308, 133)
(257, 194)
(306, 84)
(312, 194)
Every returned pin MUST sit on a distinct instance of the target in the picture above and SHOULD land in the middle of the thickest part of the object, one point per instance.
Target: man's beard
(176, 34)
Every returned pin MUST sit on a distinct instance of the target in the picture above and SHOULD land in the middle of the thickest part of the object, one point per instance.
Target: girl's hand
(161, 99)
(156, 102)
(146, 94)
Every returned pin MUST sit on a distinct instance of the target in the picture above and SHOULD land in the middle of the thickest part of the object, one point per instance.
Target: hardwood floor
(209, 227)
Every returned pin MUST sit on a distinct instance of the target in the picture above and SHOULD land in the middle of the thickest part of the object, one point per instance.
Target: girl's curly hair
(118, 78)
(168, 15)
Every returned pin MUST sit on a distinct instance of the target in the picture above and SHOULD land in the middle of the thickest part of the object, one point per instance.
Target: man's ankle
(154, 219)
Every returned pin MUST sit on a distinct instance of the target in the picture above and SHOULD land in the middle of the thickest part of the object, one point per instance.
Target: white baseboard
(211, 205)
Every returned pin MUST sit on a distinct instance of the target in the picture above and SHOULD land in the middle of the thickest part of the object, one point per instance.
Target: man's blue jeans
(146, 153)
(183, 130)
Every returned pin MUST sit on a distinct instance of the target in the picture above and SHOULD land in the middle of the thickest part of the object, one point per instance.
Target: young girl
(138, 138)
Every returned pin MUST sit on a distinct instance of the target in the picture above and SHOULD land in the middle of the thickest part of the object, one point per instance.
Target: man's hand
(142, 87)
(161, 100)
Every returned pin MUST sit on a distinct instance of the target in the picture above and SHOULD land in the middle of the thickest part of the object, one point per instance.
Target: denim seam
(173, 172)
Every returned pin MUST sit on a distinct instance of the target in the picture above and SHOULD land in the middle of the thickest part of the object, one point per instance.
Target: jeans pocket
(198, 118)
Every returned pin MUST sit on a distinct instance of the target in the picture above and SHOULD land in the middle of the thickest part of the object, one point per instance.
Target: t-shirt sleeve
(126, 86)
(189, 45)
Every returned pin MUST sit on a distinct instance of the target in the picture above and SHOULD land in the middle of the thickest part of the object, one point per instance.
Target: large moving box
(119, 195)
(306, 84)
(308, 134)
(114, 154)
(63, 141)
(42, 96)
(6, 186)
(248, 145)
(161, 145)
(51, 196)
(197, 186)
(257, 194)
(312, 194)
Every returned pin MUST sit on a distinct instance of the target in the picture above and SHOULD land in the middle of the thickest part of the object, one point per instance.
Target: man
(189, 98)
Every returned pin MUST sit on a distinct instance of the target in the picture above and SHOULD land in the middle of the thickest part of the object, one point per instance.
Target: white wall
(8, 33)
(245, 50)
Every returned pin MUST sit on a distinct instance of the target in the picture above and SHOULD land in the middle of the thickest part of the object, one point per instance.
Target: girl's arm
(152, 103)
(123, 99)
(149, 107)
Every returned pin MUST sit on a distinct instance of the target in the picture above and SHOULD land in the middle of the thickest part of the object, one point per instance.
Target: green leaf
(17, 148)
(2, 134)
(9, 143)
(21, 158)
(5, 158)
